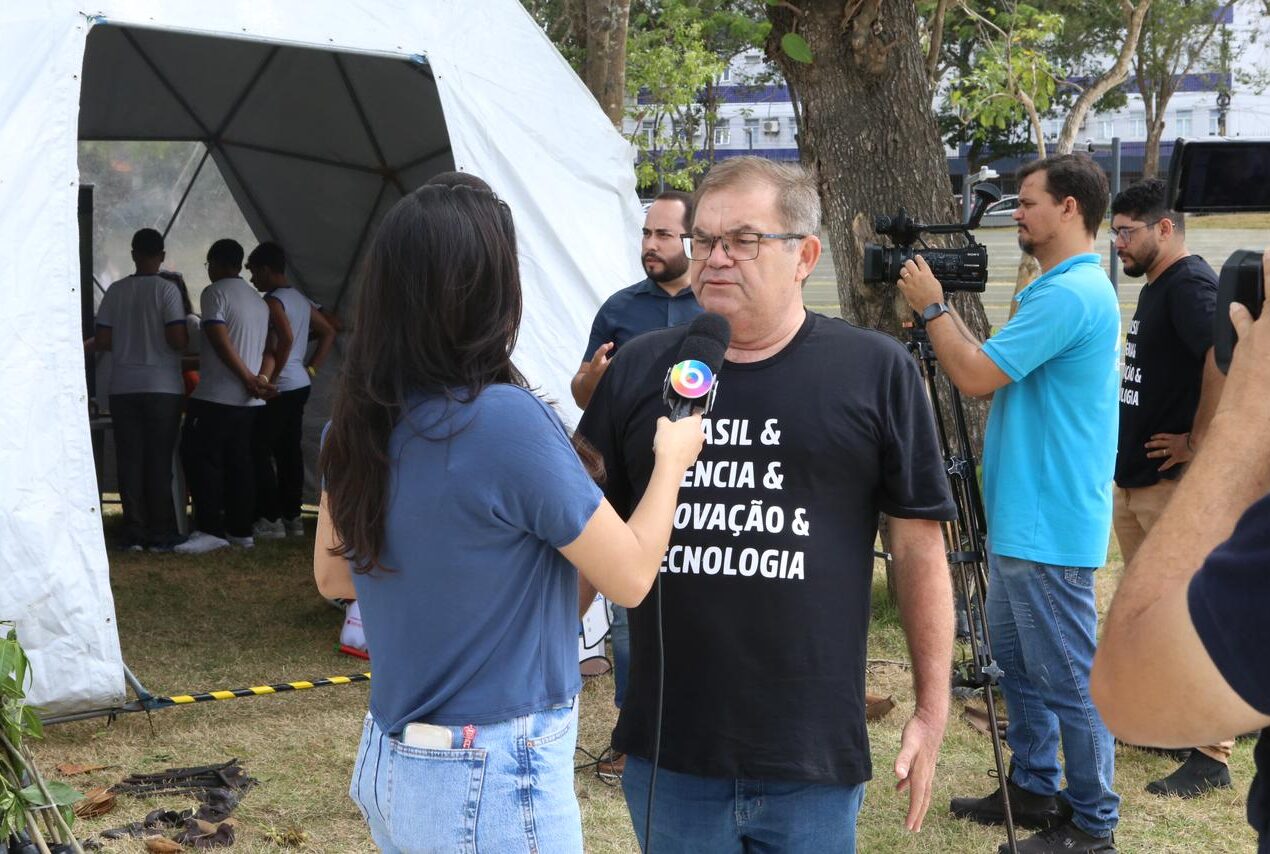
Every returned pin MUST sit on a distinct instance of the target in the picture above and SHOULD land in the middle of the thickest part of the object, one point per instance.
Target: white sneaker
(199, 543)
(294, 527)
(266, 530)
(241, 542)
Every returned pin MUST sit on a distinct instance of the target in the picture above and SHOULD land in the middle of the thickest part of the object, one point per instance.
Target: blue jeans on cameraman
(620, 636)
(721, 815)
(1044, 625)
(512, 791)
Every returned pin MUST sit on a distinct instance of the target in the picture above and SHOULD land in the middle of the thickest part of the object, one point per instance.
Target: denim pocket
(359, 768)
(551, 725)
(1079, 576)
(550, 739)
(434, 797)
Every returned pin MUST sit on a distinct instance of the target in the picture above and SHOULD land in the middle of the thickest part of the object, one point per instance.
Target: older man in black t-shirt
(761, 610)
(1183, 658)
(1169, 387)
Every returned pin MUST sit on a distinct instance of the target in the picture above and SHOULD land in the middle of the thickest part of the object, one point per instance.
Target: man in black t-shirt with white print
(1183, 657)
(1168, 390)
(761, 609)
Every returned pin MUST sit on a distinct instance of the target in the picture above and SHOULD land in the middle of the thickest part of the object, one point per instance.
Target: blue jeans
(511, 792)
(694, 814)
(620, 635)
(1044, 623)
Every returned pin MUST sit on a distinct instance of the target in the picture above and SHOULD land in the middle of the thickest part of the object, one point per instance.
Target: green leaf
(774, 2)
(796, 47)
(62, 794)
(31, 723)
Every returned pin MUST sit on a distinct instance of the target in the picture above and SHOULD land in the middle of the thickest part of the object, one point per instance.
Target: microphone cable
(661, 675)
(689, 387)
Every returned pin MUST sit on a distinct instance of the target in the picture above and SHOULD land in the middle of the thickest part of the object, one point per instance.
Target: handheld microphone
(693, 380)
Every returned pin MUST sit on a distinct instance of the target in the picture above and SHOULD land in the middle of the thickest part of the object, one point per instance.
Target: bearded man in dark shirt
(1168, 390)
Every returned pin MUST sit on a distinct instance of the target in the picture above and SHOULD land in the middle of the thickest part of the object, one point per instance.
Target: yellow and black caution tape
(257, 691)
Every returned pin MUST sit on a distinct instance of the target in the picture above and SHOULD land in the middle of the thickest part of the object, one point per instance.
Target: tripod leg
(991, 673)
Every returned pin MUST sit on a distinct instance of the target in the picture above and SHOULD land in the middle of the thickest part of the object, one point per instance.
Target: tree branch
(936, 45)
(1109, 79)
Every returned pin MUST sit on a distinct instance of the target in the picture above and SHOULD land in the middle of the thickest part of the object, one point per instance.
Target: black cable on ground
(661, 676)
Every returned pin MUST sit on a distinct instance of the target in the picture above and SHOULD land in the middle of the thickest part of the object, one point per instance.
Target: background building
(755, 114)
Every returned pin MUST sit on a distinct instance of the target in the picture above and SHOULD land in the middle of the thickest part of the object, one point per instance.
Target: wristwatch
(933, 311)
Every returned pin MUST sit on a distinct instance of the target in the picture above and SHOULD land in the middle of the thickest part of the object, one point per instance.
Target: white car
(1000, 213)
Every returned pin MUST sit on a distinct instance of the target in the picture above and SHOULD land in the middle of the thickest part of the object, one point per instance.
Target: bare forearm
(586, 595)
(1152, 679)
(323, 350)
(653, 518)
(581, 390)
(1210, 393)
(960, 354)
(1220, 485)
(275, 361)
(926, 611)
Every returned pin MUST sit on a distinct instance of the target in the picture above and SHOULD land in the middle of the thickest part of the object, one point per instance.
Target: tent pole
(135, 684)
(247, 90)
(361, 244)
(436, 152)
(388, 173)
(207, 152)
(167, 84)
(297, 155)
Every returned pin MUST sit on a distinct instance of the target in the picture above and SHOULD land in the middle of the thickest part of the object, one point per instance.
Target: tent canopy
(319, 114)
(314, 144)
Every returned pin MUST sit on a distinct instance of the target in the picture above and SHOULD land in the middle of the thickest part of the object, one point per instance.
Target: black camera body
(1225, 176)
(960, 269)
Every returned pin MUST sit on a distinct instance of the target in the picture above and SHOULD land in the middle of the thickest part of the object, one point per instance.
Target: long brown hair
(437, 313)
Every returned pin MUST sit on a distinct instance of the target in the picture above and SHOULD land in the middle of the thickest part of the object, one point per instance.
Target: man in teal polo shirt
(1049, 454)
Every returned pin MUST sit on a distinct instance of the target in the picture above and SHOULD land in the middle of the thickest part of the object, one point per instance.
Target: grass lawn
(235, 618)
(1235, 220)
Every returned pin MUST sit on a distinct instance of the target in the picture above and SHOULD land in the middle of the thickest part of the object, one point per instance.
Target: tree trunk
(869, 135)
(1151, 160)
(604, 69)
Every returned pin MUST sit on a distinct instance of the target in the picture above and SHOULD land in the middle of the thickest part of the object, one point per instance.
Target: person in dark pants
(216, 445)
(141, 321)
(661, 300)
(279, 461)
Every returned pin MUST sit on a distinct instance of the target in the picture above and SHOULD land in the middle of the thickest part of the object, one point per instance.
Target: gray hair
(796, 197)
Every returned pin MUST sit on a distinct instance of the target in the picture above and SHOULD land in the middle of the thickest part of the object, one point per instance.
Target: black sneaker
(1197, 775)
(1067, 838)
(1028, 810)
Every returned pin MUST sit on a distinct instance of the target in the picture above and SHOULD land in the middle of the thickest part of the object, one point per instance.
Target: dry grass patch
(234, 618)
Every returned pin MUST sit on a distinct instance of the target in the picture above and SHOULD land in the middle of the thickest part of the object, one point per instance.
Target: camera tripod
(966, 541)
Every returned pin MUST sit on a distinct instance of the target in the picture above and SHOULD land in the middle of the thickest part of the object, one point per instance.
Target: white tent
(320, 114)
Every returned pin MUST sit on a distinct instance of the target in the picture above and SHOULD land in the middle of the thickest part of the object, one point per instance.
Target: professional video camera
(965, 538)
(1225, 176)
(963, 269)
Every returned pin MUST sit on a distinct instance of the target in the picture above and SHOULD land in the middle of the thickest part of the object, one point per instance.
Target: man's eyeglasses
(739, 245)
(1126, 232)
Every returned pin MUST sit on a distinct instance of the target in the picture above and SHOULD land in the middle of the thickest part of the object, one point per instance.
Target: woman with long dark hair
(455, 510)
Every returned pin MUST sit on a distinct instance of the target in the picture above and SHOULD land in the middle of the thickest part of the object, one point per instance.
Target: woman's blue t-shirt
(478, 622)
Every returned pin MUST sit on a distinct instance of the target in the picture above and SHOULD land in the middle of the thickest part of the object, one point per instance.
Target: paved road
(1215, 244)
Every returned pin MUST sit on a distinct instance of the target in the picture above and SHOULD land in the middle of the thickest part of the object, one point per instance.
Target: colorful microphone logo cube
(691, 379)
